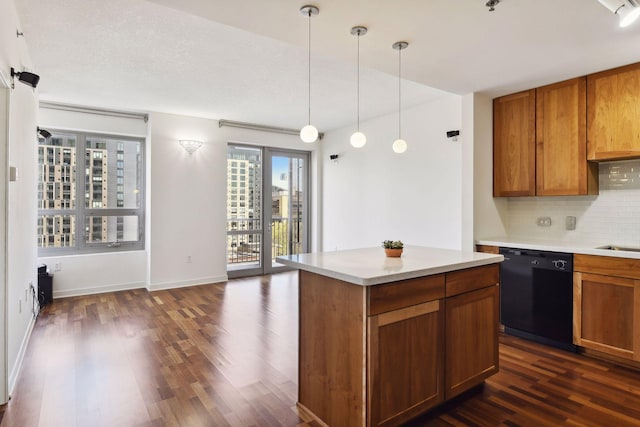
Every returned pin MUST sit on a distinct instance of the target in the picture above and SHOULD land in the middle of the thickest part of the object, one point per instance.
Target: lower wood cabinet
(606, 314)
(472, 353)
(402, 381)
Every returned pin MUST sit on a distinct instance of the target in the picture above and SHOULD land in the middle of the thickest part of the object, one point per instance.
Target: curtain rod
(97, 111)
(252, 126)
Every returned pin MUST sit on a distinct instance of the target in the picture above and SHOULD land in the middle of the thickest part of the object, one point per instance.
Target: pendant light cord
(399, 94)
(309, 62)
(358, 91)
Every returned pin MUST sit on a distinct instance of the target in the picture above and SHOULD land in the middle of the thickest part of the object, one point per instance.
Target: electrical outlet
(544, 221)
(571, 223)
(57, 266)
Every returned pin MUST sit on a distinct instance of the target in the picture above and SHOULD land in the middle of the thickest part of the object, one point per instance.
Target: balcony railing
(244, 239)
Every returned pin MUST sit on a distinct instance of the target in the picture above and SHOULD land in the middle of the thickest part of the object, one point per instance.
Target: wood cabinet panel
(514, 144)
(402, 381)
(383, 298)
(607, 314)
(458, 282)
(561, 141)
(612, 114)
(332, 341)
(608, 266)
(471, 353)
(488, 249)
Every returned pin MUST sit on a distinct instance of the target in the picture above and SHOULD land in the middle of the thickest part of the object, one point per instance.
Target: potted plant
(393, 248)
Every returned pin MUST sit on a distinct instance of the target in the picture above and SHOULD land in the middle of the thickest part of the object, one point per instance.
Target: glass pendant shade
(399, 146)
(309, 134)
(358, 139)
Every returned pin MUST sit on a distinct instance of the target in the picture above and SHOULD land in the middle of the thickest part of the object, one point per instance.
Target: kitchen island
(382, 340)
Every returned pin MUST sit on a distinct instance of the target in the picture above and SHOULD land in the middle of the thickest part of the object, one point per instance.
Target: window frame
(82, 212)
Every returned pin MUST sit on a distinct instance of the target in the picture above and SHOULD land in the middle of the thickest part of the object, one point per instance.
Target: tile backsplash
(611, 217)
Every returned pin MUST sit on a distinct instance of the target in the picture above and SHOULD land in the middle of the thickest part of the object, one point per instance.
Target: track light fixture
(25, 77)
(627, 10)
(44, 133)
(491, 4)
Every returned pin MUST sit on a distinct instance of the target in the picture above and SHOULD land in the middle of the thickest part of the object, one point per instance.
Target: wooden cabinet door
(405, 363)
(561, 141)
(471, 355)
(514, 144)
(613, 113)
(606, 314)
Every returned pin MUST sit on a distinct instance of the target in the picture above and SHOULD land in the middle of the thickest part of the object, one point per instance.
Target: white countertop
(557, 246)
(370, 266)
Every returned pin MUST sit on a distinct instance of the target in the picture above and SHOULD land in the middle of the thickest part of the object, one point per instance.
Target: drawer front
(397, 295)
(607, 265)
(459, 282)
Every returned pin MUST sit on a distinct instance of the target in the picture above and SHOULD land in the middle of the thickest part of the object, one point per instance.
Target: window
(90, 193)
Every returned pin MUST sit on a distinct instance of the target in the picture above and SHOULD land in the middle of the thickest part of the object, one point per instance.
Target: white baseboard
(15, 371)
(184, 284)
(98, 290)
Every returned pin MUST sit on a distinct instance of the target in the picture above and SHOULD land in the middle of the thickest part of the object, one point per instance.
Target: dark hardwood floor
(226, 355)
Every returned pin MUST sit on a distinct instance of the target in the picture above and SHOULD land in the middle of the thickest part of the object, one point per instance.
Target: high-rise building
(104, 161)
(56, 190)
(96, 192)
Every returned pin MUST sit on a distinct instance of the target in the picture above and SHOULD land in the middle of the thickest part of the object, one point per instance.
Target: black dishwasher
(536, 296)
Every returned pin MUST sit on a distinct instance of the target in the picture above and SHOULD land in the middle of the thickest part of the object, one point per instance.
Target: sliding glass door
(267, 208)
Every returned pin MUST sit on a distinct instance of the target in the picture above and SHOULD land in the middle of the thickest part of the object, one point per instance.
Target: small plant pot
(393, 253)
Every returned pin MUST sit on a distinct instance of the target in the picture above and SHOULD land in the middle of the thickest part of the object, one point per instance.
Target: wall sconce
(25, 77)
(190, 146)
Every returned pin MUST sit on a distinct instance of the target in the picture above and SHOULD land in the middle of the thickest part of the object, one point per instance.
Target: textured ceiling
(246, 59)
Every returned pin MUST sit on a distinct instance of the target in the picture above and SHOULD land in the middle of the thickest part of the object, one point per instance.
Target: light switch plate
(13, 174)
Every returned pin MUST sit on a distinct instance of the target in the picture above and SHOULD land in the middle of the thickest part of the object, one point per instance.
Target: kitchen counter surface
(370, 266)
(557, 246)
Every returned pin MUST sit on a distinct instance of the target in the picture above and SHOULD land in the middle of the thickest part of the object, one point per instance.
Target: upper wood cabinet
(514, 144)
(540, 142)
(561, 141)
(613, 114)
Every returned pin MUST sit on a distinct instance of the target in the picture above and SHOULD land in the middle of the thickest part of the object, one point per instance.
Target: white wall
(372, 194)
(4, 133)
(188, 197)
(21, 204)
(490, 216)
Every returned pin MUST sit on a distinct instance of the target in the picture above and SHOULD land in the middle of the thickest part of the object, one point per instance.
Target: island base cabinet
(403, 382)
(471, 352)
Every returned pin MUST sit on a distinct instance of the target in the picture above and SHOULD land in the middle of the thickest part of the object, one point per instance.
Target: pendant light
(400, 145)
(309, 133)
(358, 139)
